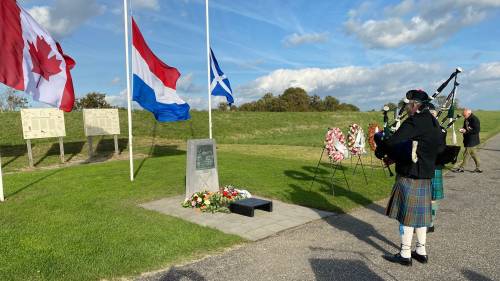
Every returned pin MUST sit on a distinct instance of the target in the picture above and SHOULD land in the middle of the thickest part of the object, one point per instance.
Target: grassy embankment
(83, 223)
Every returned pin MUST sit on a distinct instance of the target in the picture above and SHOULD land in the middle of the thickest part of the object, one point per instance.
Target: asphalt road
(465, 246)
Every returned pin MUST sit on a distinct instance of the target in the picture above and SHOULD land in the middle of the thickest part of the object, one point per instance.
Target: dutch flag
(155, 82)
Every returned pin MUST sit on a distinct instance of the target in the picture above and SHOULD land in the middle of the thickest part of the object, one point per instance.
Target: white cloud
(64, 17)
(186, 84)
(146, 4)
(371, 87)
(120, 100)
(296, 39)
(417, 22)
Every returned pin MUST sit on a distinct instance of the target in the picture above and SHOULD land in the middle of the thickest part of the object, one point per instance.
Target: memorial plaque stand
(91, 149)
(61, 150)
(30, 153)
(201, 168)
(115, 138)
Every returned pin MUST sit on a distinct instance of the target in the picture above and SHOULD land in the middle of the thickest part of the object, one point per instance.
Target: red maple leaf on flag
(42, 64)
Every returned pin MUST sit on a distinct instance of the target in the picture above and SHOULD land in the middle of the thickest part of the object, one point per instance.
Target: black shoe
(397, 258)
(430, 229)
(477, 170)
(419, 258)
(458, 170)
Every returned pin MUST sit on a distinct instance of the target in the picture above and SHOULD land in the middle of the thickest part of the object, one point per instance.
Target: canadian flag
(31, 61)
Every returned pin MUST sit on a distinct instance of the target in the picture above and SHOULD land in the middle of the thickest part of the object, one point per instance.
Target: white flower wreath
(356, 140)
(335, 145)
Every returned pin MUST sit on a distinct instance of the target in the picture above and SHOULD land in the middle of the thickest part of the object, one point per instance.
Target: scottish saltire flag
(155, 82)
(219, 84)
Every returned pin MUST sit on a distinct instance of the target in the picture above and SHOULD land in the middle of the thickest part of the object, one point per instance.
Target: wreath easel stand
(335, 162)
(356, 145)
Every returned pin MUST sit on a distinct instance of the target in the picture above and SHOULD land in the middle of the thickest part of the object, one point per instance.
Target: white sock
(406, 241)
(421, 237)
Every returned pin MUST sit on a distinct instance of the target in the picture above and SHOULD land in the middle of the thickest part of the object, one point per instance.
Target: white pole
(208, 72)
(2, 198)
(129, 107)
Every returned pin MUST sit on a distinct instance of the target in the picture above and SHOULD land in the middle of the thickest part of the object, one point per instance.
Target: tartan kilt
(410, 202)
(437, 185)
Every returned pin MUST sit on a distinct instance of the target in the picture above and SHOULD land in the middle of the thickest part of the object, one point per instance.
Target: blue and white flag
(155, 82)
(219, 84)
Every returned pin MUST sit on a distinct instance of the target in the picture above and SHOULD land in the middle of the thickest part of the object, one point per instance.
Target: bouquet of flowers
(207, 201)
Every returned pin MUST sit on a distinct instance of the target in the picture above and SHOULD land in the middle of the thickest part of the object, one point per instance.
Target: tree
(92, 100)
(392, 106)
(347, 107)
(330, 103)
(12, 100)
(315, 103)
(222, 106)
(296, 99)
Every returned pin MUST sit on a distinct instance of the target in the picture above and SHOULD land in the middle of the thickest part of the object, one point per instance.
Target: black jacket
(442, 134)
(472, 128)
(425, 129)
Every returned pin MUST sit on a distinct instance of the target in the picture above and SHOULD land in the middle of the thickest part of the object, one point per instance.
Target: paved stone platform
(263, 224)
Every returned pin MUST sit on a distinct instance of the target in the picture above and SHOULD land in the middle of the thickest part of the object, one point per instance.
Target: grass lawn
(83, 222)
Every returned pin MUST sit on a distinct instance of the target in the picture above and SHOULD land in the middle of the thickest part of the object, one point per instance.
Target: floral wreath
(373, 128)
(335, 145)
(356, 140)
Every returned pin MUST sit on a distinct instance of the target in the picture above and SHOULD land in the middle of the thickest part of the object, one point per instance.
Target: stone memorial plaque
(201, 166)
(42, 123)
(99, 122)
(204, 157)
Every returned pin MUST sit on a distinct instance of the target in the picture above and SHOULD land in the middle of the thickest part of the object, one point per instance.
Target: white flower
(199, 200)
(207, 202)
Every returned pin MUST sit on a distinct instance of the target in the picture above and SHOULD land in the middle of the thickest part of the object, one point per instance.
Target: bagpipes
(406, 151)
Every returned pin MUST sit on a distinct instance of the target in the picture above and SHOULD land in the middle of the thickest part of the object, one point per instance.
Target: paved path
(465, 246)
(263, 224)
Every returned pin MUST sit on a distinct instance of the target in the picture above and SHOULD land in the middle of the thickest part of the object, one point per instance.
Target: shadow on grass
(342, 269)
(14, 151)
(70, 148)
(106, 147)
(156, 150)
(362, 230)
(34, 182)
(177, 274)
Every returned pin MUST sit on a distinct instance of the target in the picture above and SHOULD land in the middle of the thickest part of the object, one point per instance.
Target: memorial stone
(201, 167)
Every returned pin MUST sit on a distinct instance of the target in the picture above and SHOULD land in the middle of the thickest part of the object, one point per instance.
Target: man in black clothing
(470, 131)
(410, 201)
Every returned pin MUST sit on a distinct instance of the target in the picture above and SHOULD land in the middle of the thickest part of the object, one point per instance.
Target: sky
(367, 53)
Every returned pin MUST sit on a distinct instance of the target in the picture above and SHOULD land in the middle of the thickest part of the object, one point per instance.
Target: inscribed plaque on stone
(201, 166)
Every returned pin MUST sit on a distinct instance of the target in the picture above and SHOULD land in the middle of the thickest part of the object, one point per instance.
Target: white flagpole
(208, 72)
(129, 107)
(2, 198)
